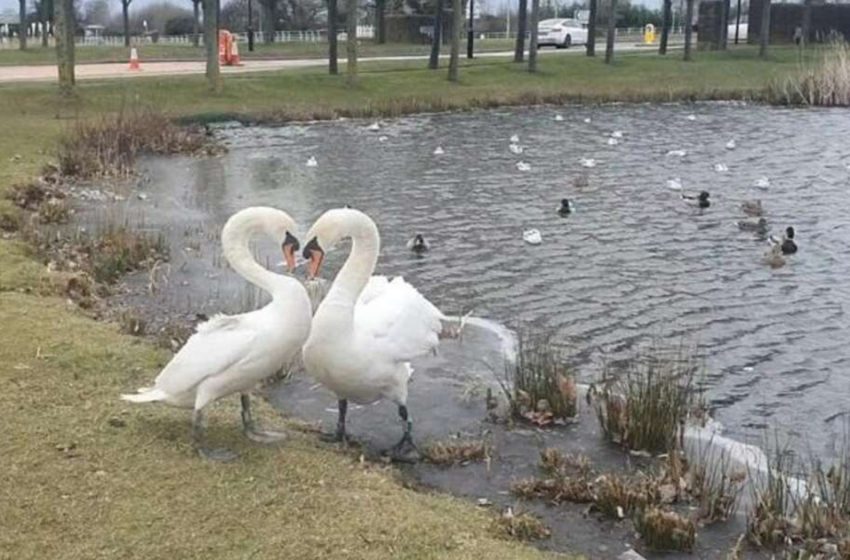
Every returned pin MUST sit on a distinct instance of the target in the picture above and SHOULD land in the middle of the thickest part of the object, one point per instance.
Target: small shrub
(666, 530)
(618, 496)
(54, 211)
(554, 462)
(645, 407)
(115, 251)
(557, 490)
(538, 385)
(521, 526)
(716, 488)
(768, 524)
(457, 452)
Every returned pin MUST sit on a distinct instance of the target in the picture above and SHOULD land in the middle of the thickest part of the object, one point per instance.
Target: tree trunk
(45, 18)
(333, 47)
(724, 23)
(521, 28)
(764, 37)
(269, 21)
(351, 42)
(213, 72)
(612, 33)
(23, 27)
(196, 29)
(689, 29)
(125, 10)
(666, 21)
(380, 21)
(457, 31)
(806, 27)
(64, 34)
(532, 43)
(470, 34)
(434, 61)
(591, 29)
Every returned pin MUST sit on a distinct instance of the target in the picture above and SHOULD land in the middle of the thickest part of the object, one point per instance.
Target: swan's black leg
(223, 455)
(339, 435)
(250, 428)
(405, 450)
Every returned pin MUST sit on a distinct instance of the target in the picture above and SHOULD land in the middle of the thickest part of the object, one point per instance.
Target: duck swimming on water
(752, 208)
(787, 244)
(759, 226)
(566, 207)
(700, 200)
(418, 244)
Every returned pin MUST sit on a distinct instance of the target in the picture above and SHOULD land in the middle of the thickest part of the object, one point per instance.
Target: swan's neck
(358, 268)
(238, 253)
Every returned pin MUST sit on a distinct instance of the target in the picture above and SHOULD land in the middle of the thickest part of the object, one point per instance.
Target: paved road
(10, 74)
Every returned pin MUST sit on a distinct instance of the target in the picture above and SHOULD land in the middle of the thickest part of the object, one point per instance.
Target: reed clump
(522, 526)
(457, 452)
(666, 530)
(825, 82)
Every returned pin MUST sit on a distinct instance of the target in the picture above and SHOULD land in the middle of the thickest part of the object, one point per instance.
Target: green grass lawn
(150, 52)
(84, 475)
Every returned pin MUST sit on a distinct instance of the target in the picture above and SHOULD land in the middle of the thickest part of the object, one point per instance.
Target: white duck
(368, 328)
(232, 353)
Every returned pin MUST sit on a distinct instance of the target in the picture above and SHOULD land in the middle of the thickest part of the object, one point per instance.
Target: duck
(773, 257)
(787, 244)
(674, 184)
(514, 139)
(231, 354)
(559, 117)
(613, 141)
(762, 182)
(418, 245)
(730, 145)
(523, 166)
(566, 207)
(368, 328)
(759, 226)
(438, 151)
(721, 167)
(752, 208)
(311, 162)
(700, 200)
(515, 149)
(588, 162)
(677, 153)
(532, 237)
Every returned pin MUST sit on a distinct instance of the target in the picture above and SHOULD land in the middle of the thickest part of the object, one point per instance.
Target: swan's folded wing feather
(215, 347)
(398, 321)
(375, 287)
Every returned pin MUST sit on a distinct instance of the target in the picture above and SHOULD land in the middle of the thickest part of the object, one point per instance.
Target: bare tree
(437, 37)
(457, 32)
(591, 29)
(666, 21)
(521, 28)
(612, 32)
(380, 21)
(213, 72)
(22, 28)
(64, 33)
(764, 36)
(532, 43)
(196, 15)
(351, 41)
(689, 28)
(45, 15)
(333, 46)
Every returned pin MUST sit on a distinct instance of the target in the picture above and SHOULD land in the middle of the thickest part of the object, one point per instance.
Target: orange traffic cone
(234, 54)
(134, 59)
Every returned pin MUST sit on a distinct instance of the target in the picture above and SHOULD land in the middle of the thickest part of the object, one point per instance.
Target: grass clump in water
(825, 82)
(109, 146)
(666, 530)
(457, 452)
(521, 526)
(539, 385)
(645, 406)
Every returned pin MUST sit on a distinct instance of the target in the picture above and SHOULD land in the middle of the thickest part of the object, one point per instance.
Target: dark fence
(827, 20)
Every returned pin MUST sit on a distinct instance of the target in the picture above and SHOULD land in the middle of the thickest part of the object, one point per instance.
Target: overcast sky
(13, 4)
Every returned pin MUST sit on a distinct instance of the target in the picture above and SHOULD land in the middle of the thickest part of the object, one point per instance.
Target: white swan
(311, 162)
(523, 166)
(438, 151)
(231, 353)
(674, 184)
(367, 328)
(587, 162)
(613, 141)
(559, 117)
(762, 182)
(532, 237)
(374, 126)
(730, 145)
(721, 167)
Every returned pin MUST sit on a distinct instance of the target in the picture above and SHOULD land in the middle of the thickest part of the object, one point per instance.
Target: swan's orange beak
(290, 245)
(314, 255)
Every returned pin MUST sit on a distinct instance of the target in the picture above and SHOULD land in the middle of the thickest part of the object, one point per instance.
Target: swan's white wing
(397, 321)
(217, 345)
(375, 287)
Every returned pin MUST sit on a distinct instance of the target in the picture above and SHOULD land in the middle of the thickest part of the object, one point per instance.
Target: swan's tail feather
(146, 395)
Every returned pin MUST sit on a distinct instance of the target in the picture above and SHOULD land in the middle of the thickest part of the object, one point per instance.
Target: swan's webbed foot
(405, 451)
(220, 455)
(250, 428)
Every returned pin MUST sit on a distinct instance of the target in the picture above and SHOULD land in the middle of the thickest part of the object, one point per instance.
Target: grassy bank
(84, 475)
(160, 52)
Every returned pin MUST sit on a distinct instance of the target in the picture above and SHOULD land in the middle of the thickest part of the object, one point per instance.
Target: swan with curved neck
(230, 354)
(368, 328)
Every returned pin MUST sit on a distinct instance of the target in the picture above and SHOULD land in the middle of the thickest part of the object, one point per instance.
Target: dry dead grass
(457, 452)
(85, 475)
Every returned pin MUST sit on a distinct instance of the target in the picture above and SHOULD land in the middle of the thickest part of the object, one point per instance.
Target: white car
(561, 33)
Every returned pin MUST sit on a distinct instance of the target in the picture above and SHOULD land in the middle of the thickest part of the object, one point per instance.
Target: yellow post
(649, 34)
